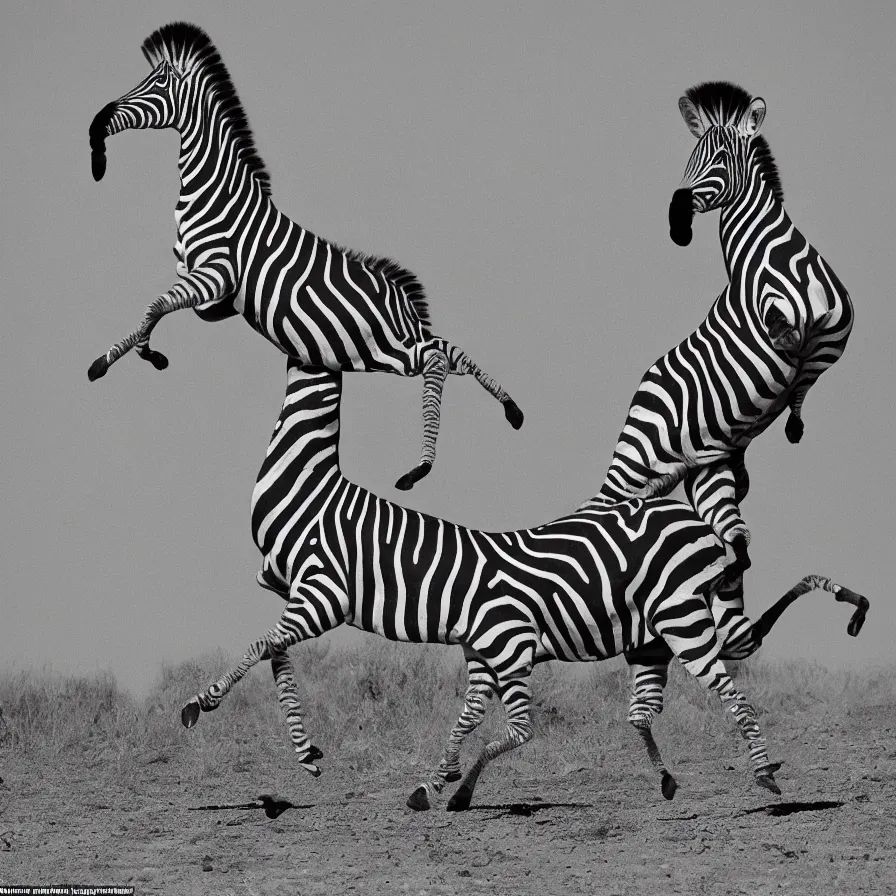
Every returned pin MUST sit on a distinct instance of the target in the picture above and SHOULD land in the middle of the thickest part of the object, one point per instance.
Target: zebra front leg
(288, 697)
(313, 608)
(207, 284)
(687, 627)
(479, 691)
(460, 363)
(650, 673)
(212, 696)
(435, 369)
(715, 492)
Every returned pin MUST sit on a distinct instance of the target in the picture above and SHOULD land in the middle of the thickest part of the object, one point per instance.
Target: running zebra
(236, 253)
(588, 586)
(782, 320)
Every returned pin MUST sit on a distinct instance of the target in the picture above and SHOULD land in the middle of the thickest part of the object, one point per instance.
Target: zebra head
(153, 103)
(724, 119)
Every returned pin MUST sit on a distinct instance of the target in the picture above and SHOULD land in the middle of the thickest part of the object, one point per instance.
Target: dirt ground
(575, 830)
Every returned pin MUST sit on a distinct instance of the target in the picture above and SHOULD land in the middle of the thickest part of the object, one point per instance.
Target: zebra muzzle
(98, 132)
(681, 215)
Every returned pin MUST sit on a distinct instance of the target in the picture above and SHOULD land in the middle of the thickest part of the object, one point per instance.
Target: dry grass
(389, 706)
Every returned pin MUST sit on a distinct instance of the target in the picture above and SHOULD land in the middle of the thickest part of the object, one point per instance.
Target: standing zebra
(588, 586)
(782, 320)
(236, 253)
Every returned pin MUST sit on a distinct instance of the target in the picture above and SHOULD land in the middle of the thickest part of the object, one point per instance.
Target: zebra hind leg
(443, 358)
(479, 691)
(687, 627)
(516, 695)
(461, 363)
(650, 673)
(766, 621)
(288, 697)
(435, 370)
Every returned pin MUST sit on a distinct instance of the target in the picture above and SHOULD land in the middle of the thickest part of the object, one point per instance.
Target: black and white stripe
(237, 253)
(782, 320)
(588, 586)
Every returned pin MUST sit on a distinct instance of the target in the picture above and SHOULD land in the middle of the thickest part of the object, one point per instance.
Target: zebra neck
(307, 431)
(301, 467)
(212, 171)
(752, 219)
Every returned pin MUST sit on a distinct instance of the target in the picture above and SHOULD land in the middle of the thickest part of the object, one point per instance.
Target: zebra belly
(700, 425)
(309, 329)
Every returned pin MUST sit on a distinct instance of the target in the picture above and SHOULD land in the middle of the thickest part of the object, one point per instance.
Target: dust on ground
(569, 831)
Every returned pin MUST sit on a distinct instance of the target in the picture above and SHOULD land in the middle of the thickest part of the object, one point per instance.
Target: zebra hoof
(451, 777)
(419, 800)
(406, 483)
(98, 368)
(742, 559)
(793, 429)
(769, 783)
(308, 759)
(189, 715)
(157, 359)
(460, 802)
(860, 603)
(856, 623)
(669, 785)
(513, 414)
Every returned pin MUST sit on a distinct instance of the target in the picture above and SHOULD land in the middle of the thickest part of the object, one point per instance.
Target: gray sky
(520, 159)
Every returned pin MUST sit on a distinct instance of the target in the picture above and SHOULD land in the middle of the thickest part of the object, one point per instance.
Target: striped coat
(238, 254)
(591, 585)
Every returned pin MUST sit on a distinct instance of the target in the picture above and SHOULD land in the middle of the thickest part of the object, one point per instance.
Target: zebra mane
(723, 103)
(187, 46)
(403, 279)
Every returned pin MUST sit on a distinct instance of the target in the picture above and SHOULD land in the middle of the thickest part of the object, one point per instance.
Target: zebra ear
(752, 119)
(691, 117)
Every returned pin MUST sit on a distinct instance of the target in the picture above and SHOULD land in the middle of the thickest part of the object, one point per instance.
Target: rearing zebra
(236, 252)
(596, 583)
(783, 319)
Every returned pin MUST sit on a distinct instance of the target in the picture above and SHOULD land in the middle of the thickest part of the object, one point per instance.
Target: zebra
(236, 253)
(782, 320)
(588, 586)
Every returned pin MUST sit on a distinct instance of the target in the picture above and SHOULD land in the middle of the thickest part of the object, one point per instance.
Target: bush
(382, 704)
